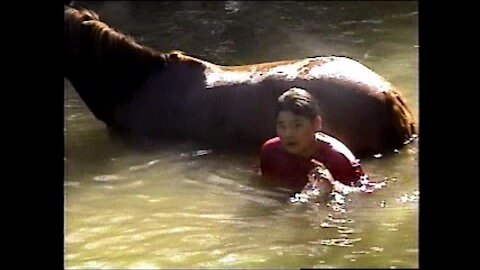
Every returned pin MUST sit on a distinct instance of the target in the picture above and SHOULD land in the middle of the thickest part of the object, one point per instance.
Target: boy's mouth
(290, 144)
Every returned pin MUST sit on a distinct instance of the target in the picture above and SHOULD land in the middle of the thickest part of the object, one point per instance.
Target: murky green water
(184, 206)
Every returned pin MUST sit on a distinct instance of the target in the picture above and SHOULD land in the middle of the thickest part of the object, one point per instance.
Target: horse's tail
(403, 127)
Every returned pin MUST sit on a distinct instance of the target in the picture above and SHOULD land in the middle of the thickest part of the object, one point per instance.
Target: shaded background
(185, 205)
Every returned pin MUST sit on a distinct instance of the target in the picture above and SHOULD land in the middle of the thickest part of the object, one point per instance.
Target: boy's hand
(320, 169)
(317, 163)
(319, 180)
(325, 174)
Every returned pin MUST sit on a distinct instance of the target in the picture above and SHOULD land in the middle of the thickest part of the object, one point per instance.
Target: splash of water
(316, 178)
(315, 188)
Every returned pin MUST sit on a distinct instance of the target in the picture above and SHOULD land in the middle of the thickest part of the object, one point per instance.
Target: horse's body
(140, 91)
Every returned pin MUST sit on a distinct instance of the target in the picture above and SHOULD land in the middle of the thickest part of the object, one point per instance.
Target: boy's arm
(265, 160)
(268, 164)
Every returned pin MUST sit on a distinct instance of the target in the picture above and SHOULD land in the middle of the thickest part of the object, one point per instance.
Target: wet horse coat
(137, 90)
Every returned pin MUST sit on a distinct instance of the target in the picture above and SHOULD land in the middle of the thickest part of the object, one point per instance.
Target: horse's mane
(105, 66)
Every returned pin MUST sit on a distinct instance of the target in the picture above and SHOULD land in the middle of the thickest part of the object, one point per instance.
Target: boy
(291, 157)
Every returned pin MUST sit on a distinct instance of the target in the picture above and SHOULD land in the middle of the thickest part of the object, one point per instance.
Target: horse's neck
(105, 68)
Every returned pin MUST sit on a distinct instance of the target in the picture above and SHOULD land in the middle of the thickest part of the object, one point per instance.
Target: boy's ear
(318, 123)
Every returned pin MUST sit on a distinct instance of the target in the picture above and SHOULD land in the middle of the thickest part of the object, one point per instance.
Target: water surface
(184, 205)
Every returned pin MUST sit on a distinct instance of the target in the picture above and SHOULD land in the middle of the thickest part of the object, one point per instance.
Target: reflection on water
(174, 205)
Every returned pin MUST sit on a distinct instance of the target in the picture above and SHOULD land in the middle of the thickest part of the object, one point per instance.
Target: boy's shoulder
(335, 145)
(271, 144)
(271, 150)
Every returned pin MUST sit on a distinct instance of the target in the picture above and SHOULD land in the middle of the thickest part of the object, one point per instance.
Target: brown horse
(137, 90)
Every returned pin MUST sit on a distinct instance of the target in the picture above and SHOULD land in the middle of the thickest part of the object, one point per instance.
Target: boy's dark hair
(298, 101)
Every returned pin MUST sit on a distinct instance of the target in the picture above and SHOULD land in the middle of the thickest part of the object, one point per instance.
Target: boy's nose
(288, 133)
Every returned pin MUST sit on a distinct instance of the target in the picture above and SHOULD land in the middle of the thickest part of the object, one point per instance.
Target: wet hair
(298, 101)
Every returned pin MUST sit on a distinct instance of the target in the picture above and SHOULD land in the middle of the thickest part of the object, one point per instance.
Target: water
(184, 205)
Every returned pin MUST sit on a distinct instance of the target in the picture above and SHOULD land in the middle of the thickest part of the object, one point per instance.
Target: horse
(143, 92)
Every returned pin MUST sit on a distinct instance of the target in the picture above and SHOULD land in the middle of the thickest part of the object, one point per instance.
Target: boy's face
(296, 132)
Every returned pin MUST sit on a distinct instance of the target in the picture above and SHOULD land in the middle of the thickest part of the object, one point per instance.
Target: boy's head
(297, 121)
(298, 101)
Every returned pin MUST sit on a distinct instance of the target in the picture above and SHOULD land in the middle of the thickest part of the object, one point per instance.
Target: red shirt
(291, 170)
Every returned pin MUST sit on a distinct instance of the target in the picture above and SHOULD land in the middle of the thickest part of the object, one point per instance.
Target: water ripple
(144, 166)
(107, 178)
(414, 197)
(340, 242)
(362, 22)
